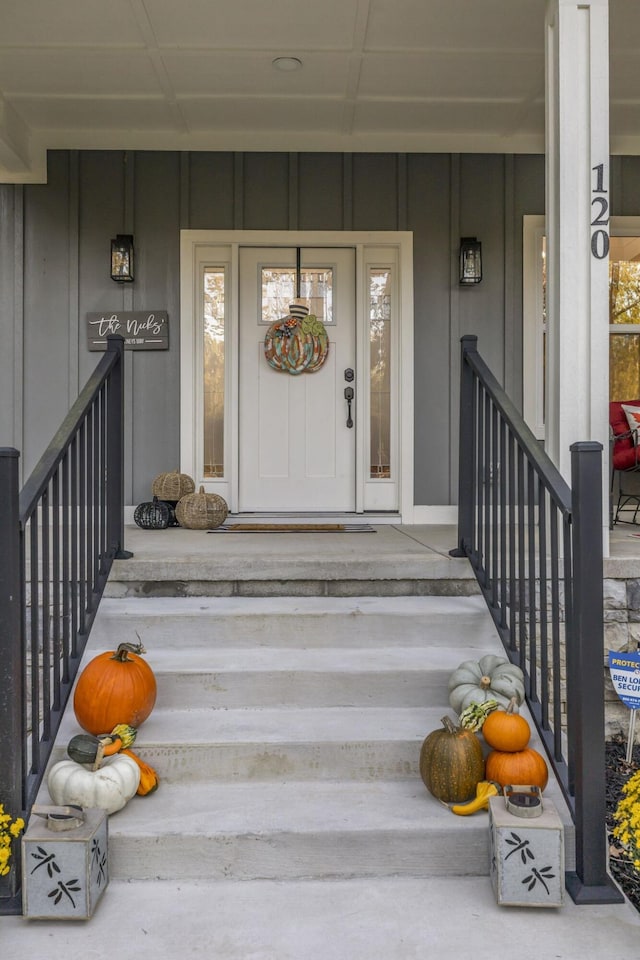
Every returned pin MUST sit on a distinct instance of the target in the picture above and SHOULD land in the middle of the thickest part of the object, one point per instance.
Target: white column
(577, 223)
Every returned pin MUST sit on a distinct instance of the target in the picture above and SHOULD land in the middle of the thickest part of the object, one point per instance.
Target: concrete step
(389, 562)
(325, 677)
(287, 736)
(295, 830)
(433, 621)
(298, 652)
(280, 743)
(396, 918)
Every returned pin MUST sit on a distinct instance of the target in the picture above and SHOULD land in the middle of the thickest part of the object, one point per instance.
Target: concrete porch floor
(424, 547)
(332, 919)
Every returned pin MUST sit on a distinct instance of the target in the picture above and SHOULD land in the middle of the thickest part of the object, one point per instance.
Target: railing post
(585, 660)
(115, 452)
(469, 344)
(12, 665)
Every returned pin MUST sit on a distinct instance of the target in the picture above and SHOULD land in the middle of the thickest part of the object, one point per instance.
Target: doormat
(294, 528)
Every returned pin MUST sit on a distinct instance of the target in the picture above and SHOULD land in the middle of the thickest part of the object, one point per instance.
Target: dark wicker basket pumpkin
(172, 486)
(155, 515)
(201, 511)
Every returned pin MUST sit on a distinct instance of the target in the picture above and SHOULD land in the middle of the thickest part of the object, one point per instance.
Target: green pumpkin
(490, 678)
(451, 763)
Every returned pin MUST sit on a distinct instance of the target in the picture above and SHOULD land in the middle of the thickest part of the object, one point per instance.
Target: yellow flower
(10, 829)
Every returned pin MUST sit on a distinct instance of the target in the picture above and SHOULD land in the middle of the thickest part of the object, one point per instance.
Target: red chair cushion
(624, 452)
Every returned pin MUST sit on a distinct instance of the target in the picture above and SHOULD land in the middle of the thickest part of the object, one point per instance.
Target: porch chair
(624, 438)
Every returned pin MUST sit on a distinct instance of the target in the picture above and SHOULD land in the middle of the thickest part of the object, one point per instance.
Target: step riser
(237, 690)
(396, 760)
(366, 631)
(292, 856)
(291, 588)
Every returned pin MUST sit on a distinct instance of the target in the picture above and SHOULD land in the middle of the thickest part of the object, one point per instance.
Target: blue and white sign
(625, 676)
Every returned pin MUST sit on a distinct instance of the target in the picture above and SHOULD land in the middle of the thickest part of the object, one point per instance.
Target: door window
(278, 290)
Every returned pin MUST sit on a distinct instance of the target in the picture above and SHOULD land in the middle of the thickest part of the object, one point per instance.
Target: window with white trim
(624, 315)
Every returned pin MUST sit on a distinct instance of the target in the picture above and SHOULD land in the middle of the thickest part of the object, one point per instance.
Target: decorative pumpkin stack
(486, 695)
(511, 760)
(166, 490)
(102, 770)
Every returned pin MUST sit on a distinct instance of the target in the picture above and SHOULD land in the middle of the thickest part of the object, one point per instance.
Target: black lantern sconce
(122, 258)
(470, 261)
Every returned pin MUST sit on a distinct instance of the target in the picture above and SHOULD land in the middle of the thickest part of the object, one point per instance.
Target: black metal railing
(58, 538)
(535, 545)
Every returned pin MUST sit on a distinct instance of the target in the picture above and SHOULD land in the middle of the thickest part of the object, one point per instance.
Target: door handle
(348, 395)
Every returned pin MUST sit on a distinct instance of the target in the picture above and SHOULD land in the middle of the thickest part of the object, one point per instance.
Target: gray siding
(54, 268)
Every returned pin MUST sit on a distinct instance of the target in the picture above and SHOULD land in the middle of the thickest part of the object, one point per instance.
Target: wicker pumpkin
(155, 515)
(201, 511)
(172, 486)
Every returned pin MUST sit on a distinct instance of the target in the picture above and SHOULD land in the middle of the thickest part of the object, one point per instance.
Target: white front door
(296, 449)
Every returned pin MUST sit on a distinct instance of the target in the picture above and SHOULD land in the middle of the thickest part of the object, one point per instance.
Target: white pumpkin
(108, 788)
(491, 678)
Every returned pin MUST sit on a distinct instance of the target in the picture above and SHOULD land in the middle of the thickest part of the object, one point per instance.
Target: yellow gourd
(484, 790)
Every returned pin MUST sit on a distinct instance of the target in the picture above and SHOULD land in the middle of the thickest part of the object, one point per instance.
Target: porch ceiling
(400, 75)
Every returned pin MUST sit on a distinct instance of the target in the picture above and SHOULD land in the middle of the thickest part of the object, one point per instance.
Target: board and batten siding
(54, 269)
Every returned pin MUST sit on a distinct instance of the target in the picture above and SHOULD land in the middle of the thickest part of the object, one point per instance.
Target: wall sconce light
(470, 261)
(122, 258)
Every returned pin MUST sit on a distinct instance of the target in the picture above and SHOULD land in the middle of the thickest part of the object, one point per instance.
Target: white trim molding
(222, 247)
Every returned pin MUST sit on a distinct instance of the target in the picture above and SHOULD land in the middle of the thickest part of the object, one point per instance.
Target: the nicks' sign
(141, 329)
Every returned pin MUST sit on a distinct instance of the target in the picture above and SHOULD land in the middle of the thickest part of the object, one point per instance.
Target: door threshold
(316, 517)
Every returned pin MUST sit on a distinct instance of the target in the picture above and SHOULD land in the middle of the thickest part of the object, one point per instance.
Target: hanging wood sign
(141, 329)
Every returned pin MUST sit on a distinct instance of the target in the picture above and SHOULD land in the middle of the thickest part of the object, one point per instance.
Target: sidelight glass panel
(214, 283)
(380, 371)
(279, 290)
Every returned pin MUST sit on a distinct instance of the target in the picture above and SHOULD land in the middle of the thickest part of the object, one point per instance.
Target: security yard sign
(625, 677)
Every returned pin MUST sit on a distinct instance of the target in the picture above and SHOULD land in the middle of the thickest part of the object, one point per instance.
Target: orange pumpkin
(522, 767)
(115, 688)
(506, 730)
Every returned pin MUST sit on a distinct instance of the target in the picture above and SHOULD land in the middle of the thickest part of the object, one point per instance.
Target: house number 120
(600, 206)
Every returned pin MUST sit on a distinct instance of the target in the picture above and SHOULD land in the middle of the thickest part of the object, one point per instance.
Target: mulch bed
(618, 772)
